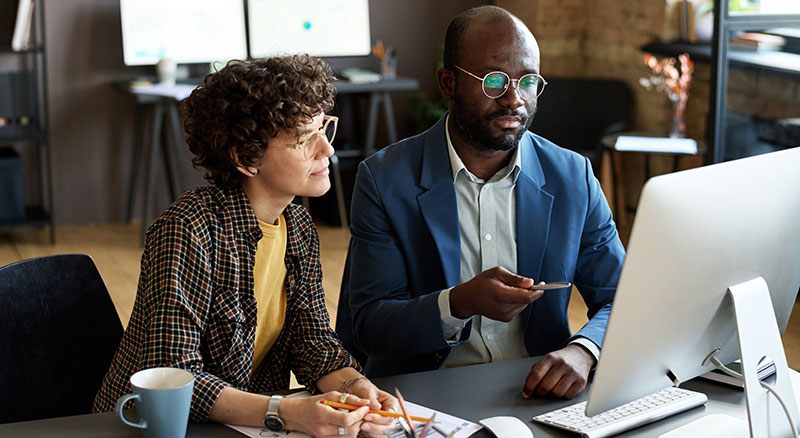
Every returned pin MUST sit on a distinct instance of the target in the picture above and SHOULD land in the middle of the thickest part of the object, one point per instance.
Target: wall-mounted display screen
(186, 31)
(316, 27)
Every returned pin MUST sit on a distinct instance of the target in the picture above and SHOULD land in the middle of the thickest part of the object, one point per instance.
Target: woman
(231, 285)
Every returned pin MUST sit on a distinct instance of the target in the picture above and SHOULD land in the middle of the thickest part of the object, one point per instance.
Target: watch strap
(271, 419)
(274, 404)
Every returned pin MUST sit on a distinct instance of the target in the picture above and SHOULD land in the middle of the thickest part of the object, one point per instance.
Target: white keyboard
(636, 413)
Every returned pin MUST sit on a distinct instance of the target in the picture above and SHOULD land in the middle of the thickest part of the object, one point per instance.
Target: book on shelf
(757, 41)
(766, 368)
(23, 27)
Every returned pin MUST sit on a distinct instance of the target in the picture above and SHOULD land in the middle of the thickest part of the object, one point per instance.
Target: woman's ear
(246, 171)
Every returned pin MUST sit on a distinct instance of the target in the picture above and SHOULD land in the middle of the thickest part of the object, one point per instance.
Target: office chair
(58, 333)
(577, 113)
(344, 316)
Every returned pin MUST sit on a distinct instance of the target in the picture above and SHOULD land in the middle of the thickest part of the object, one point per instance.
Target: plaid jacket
(195, 307)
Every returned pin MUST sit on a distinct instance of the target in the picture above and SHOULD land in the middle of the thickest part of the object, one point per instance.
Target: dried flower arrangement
(672, 82)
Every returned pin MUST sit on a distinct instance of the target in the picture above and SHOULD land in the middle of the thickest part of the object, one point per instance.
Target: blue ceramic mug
(163, 397)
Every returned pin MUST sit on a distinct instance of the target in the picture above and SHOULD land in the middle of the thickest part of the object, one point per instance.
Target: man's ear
(246, 171)
(447, 83)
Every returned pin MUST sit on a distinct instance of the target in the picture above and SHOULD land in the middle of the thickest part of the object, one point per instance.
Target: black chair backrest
(577, 113)
(344, 317)
(58, 333)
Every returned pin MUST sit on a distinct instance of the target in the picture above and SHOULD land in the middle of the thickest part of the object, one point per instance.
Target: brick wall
(603, 39)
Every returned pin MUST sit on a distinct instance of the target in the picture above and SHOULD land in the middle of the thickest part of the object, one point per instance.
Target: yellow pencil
(371, 411)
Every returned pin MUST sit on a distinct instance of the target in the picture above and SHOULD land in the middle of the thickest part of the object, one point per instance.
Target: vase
(678, 127)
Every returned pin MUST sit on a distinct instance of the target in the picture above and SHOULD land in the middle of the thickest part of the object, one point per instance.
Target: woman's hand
(374, 424)
(309, 415)
(378, 399)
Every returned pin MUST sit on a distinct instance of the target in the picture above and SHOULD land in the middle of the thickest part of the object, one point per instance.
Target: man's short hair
(246, 104)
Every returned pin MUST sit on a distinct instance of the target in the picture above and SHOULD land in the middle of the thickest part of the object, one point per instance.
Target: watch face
(273, 423)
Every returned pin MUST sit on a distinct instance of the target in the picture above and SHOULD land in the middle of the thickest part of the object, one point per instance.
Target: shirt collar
(244, 219)
(456, 165)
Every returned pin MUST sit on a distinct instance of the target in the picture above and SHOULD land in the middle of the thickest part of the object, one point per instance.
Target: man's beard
(476, 129)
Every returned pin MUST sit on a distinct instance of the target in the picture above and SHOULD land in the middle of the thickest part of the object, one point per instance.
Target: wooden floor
(116, 251)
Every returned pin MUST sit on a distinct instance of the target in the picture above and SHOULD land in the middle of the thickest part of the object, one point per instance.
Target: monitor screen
(186, 31)
(696, 233)
(315, 27)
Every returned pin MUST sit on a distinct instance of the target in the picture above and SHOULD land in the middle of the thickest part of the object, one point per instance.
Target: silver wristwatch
(271, 419)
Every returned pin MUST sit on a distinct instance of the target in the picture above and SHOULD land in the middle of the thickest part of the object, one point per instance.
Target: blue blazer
(405, 249)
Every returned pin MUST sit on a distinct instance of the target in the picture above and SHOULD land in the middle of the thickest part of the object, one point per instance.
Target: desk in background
(471, 392)
(157, 108)
(609, 143)
(379, 92)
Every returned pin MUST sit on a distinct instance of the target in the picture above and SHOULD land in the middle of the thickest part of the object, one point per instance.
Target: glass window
(770, 7)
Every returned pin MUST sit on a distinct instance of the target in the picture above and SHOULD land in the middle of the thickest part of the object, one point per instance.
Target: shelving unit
(31, 130)
(722, 56)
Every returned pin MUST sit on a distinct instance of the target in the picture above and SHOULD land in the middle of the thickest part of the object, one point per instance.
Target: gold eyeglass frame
(509, 83)
(304, 145)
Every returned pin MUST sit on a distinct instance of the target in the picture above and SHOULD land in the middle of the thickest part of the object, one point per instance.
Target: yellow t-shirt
(269, 274)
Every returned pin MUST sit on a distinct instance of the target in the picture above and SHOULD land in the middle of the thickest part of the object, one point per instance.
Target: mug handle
(142, 424)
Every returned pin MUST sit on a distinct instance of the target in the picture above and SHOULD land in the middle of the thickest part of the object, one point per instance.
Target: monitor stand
(759, 336)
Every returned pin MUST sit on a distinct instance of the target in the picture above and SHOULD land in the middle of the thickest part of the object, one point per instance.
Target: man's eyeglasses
(310, 144)
(496, 83)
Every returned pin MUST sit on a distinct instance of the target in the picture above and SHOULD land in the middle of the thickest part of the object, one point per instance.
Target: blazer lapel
(437, 202)
(534, 207)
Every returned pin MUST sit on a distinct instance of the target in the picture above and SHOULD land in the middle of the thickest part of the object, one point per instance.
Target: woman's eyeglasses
(310, 144)
(496, 83)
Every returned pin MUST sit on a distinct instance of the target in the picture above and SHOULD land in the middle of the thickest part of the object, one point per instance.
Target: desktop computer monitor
(186, 31)
(697, 233)
(315, 27)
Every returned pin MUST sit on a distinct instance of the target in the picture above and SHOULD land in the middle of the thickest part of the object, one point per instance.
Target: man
(452, 228)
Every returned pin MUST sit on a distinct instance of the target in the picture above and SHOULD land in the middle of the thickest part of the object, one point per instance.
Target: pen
(371, 411)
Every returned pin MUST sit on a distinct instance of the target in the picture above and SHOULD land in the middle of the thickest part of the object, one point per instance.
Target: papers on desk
(765, 369)
(177, 91)
(656, 144)
(446, 423)
(360, 76)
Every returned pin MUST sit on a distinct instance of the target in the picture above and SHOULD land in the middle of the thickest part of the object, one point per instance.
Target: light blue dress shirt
(487, 225)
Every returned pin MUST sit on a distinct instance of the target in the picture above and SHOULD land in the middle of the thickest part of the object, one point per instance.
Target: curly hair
(246, 104)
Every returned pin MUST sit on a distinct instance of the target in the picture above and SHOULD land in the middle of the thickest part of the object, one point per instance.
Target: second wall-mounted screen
(316, 27)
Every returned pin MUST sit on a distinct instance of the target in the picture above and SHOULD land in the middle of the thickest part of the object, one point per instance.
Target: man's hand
(562, 373)
(495, 293)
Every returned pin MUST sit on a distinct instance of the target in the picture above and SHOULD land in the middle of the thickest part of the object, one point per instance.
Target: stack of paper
(460, 428)
(757, 41)
(656, 144)
(360, 76)
(177, 91)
